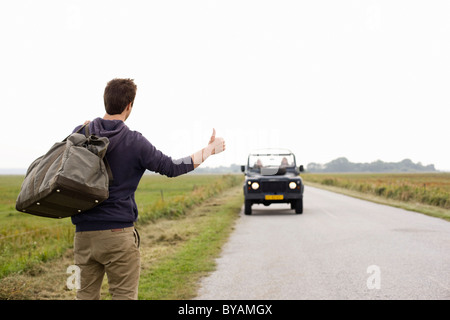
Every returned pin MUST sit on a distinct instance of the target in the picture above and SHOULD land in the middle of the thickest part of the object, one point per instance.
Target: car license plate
(274, 197)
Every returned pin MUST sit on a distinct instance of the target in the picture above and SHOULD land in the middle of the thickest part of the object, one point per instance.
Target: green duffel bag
(72, 177)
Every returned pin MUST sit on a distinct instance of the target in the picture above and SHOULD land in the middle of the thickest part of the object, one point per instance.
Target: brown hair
(118, 94)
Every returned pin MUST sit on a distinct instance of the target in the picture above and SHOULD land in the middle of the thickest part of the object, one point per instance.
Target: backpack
(72, 177)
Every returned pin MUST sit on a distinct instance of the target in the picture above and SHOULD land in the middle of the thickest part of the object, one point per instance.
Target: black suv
(272, 177)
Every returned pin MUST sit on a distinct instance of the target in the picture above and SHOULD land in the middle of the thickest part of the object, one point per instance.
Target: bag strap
(78, 131)
(108, 170)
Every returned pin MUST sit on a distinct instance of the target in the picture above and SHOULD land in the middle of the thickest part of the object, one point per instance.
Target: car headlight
(255, 185)
(292, 185)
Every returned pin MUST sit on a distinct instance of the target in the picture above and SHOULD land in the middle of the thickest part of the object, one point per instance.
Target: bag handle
(78, 131)
(86, 131)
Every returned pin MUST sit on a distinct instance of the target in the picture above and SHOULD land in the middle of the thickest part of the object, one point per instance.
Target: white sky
(367, 80)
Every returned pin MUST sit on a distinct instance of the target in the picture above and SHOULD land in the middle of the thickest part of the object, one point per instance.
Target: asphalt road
(339, 248)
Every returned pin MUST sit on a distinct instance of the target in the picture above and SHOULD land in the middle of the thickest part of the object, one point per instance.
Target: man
(105, 239)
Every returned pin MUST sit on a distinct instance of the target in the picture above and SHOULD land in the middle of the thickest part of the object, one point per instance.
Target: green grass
(428, 193)
(162, 197)
(24, 239)
(27, 240)
(176, 275)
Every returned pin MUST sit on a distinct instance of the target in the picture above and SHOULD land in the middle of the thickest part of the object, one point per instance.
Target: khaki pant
(114, 252)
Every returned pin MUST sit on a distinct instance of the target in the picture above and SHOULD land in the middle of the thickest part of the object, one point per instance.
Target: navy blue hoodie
(129, 154)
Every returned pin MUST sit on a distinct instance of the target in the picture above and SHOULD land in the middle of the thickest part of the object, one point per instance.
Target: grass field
(425, 192)
(27, 240)
(183, 224)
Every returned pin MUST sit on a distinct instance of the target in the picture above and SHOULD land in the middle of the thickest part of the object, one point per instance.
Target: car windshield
(258, 161)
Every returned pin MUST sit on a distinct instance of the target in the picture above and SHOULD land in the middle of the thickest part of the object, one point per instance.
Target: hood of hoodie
(114, 130)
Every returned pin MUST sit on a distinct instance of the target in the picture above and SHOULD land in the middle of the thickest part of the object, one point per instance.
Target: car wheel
(248, 207)
(299, 206)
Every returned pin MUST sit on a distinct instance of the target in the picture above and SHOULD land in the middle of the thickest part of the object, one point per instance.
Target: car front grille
(273, 186)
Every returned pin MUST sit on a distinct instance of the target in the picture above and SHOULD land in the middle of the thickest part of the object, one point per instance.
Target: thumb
(213, 136)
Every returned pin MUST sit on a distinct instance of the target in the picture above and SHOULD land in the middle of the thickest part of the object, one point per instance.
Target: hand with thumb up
(215, 145)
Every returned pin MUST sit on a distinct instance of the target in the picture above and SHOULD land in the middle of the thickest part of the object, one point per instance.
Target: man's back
(129, 154)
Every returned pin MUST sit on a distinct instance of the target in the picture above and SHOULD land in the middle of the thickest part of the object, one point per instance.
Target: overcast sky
(367, 80)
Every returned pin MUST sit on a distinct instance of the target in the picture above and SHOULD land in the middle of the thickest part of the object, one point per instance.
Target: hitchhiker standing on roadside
(105, 238)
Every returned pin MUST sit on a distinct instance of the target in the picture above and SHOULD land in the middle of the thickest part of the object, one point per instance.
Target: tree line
(344, 165)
